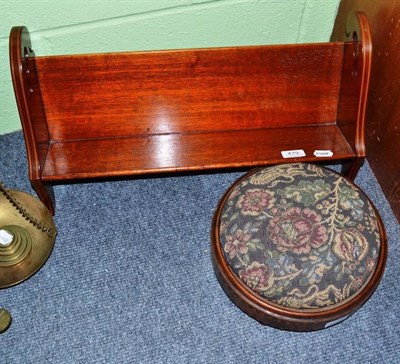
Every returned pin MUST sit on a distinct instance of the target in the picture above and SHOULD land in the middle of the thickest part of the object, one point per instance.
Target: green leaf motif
(306, 192)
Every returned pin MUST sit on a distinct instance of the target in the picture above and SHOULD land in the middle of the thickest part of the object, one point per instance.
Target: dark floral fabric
(300, 235)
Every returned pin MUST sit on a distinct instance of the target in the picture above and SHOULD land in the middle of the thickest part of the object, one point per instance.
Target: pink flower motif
(236, 243)
(257, 276)
(254, 201)
(297, 230)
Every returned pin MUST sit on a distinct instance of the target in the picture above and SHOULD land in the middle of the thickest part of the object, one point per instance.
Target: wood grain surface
(122, 114)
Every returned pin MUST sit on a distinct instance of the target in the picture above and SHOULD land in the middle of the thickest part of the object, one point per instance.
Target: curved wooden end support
(45, 193)
(351, 167)
(357, 59)
(358, 30)
(20, 50)
(30, 107)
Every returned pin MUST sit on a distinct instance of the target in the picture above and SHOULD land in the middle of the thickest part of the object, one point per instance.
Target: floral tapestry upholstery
(300, 235)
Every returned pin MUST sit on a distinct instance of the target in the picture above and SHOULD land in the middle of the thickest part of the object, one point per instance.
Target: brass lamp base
(25, 245)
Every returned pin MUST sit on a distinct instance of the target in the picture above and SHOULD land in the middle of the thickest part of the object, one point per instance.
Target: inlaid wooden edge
(358, 23)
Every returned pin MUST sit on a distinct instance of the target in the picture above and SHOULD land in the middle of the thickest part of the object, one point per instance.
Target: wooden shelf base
(125, 156)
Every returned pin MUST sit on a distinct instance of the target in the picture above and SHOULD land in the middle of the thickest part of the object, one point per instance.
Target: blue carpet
(130, 281)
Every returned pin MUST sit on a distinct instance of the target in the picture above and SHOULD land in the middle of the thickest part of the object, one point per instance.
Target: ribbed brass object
(18, 249)
(27, 236)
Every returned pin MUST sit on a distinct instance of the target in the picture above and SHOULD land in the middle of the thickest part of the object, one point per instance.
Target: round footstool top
(298, 238)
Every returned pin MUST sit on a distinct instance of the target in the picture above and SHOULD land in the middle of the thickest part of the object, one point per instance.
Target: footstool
(297, 246)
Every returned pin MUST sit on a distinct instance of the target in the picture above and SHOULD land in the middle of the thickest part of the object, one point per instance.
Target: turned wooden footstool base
(297, 246)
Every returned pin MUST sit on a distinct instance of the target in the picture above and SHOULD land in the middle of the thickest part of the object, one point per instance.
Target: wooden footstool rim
(280, 316)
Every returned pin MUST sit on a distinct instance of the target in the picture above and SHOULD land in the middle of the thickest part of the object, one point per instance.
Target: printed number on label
(293, 153)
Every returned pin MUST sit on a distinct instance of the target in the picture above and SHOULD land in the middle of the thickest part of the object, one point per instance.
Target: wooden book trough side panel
(32, 114)
(123, 114)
